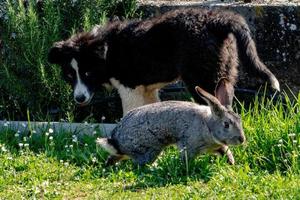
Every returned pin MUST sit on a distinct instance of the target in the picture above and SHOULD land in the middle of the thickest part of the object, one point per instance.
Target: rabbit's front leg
(225, 150)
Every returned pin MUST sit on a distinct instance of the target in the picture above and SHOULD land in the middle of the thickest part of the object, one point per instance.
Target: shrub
(29, 85)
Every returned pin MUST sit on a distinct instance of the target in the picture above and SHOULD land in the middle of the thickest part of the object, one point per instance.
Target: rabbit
(145, 131)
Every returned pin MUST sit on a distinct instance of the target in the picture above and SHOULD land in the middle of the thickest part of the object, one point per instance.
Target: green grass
(61, 165)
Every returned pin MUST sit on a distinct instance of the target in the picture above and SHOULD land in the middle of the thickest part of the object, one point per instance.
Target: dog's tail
(236, 24)
(109, 145)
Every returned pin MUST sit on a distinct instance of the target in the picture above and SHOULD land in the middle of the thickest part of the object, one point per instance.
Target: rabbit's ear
(224, 92)
(212, 101)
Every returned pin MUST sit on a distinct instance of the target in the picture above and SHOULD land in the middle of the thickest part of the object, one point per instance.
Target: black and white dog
(139, 57)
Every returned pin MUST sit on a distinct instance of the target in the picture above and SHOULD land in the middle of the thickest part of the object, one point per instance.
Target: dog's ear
(102, 50)
(224, 92)
(98, 47)
(59, 52)
(114, 18)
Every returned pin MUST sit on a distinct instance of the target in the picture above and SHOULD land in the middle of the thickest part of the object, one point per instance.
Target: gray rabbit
(145, 131)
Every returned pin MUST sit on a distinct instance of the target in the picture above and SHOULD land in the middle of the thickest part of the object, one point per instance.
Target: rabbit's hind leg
(146, 158)
(113, 159)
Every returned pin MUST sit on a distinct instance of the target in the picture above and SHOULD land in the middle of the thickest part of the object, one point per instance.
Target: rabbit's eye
(226, 125)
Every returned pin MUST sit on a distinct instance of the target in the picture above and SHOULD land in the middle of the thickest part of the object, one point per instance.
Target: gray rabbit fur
(145, 131)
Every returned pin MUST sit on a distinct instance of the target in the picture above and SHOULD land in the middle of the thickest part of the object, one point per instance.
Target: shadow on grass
(81, 151)
(167, 170)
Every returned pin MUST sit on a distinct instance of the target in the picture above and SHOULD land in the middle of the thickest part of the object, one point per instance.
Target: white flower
(94, 132)
(280, 141)
(94, 159)
(17, 135)
(51, 130)
(61, 161)
(21, 144)
(66, 164)
(294, 141)
(34, 131)
(3, 149)
(279, 145)
(47, 133)
(45, 183)
(85, 123)
(26, 145)
(51, 138)
(37, 190)
(292, 135)
(85, 144)
(103, 118)
(9, 158)
(287, 155)
(71, 146)
(24, 139)
(74, 138)
(66, 146)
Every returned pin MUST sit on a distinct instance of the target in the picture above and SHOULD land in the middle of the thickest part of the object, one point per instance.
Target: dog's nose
(80, 98)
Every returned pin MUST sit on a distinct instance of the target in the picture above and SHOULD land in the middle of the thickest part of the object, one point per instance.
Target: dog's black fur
(198, 46)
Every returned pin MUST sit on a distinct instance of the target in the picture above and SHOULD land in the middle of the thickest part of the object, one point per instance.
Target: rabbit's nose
(242, 139)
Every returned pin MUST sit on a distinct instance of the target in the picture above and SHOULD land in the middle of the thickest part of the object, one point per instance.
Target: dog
(138, 57)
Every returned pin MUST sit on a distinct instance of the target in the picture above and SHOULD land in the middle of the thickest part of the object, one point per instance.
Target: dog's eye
(226, 125)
